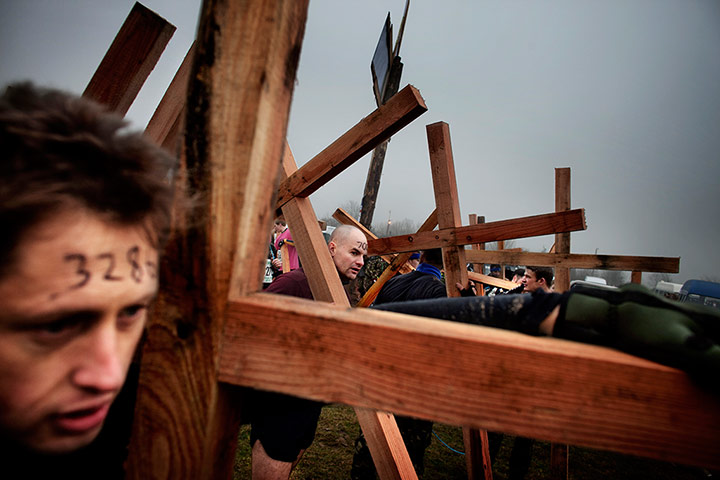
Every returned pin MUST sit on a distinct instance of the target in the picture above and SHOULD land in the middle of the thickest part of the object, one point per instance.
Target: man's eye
(130, 315)
(57, 332)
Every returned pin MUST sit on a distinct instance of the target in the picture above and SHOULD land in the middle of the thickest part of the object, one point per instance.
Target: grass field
(330, 457)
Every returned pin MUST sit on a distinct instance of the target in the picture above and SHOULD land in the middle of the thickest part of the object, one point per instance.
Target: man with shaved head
(283, 426)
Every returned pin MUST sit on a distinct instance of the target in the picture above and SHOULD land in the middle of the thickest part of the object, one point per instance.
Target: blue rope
(448, 446)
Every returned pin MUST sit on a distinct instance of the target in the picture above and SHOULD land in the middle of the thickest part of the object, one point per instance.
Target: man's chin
(59, 444)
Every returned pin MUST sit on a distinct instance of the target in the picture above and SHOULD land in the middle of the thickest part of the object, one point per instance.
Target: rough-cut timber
(164, 126)
(547, 224)
(578, 260)
(130, 59)
(442, 167)
(544, 388)
(244, 72)
(562, 240)
(372, 130)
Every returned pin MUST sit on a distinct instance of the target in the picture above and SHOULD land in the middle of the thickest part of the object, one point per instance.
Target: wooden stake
(130, 59)
(186, 423)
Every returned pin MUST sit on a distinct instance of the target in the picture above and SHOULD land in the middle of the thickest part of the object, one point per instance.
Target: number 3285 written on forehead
(107, 267)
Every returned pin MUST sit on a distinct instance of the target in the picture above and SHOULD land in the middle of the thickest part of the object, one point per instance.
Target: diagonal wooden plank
(546, 224)
(164, 126)
(578, 260)
(488, 280)
(185, 421)
(372, 130)
(130, 59)
(551, 389)
(381, 432)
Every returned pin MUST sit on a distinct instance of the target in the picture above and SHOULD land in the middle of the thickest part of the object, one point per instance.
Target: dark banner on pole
(382, 60)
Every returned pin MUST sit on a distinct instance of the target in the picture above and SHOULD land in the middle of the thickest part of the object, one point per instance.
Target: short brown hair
(61, 151)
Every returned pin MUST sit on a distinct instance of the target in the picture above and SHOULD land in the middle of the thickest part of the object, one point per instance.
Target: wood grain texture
(493, 281)
(386, 445)
(561, 283)
(578, 260)
(546, 224)
(562, 240)
(239, 97)
(544, 388)
(130, 59)
(447, 204)
(162, 127)
(372, 130)
(442, 167)
(310, 243)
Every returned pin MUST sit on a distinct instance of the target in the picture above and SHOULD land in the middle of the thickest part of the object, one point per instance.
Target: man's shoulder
(294, 283)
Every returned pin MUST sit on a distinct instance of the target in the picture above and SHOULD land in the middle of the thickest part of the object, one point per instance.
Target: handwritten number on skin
(81, 271)
(151, 269)
(111, 266)
(132, 257)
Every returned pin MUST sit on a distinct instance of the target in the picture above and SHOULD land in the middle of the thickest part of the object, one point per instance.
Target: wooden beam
(547, 224)
(381, 432)
(310, 243)
(578, 260)
(551, 389)
(562, 240)
(492, 281)
(372, 130)
(185, 421)
(442, 166)
(446, 200)
(559, 454)
(130, 59)
(163, 127)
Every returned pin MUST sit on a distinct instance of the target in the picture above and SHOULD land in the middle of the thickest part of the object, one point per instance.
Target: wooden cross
(211, 332)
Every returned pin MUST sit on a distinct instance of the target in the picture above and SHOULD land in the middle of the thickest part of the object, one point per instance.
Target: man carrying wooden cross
(283, 426)
(85, 208)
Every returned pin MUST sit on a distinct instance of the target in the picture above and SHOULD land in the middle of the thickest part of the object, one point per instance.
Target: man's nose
(100, 367)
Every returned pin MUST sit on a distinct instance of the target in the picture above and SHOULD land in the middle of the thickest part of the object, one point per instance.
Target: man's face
(530, 282)
(348, 252)
(73, 308)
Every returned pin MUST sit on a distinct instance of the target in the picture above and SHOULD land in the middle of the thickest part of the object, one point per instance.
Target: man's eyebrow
(22, 321)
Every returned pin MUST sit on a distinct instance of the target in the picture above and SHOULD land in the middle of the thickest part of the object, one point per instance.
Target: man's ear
(332, 247)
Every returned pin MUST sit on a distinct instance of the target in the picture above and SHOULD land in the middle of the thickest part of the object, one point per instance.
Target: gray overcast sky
(624, 93)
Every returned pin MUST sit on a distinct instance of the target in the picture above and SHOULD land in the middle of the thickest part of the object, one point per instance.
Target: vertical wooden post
(562, 240)
(186, 423)
(477, 454)
(559, 453)
(636, 277)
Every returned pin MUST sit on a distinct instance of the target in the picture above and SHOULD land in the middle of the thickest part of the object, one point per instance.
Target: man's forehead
(357, 239)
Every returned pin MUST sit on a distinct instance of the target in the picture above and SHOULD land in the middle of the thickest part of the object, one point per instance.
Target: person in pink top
(283, 237)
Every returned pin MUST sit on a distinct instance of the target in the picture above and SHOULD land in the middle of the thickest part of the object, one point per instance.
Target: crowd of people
(86, 208)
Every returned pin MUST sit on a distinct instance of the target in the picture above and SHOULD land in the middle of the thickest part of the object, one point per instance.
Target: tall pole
(391, 87)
